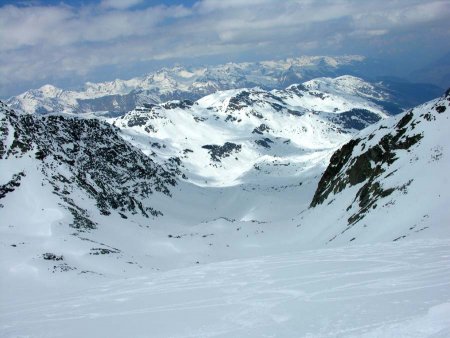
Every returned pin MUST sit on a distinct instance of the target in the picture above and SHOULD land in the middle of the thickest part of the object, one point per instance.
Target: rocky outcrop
(218, 152)
(366, 161)
(88, 155)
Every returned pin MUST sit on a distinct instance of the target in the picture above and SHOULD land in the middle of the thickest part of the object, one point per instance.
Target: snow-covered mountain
(233, 184)
(389, 182)
(81, 207)
(228, 137)
(164, 164)
(185, 175)
(63, 176)
(181, 83)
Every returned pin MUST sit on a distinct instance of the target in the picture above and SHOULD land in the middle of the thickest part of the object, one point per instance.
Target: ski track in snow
(380, 290)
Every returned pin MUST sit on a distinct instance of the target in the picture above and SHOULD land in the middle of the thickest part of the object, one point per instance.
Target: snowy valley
(244, 212)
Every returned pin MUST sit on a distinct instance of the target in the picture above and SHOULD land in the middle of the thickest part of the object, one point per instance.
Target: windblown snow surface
(280, 250)
(380, 290)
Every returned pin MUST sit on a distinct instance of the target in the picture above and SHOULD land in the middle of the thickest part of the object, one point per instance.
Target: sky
(67, 43)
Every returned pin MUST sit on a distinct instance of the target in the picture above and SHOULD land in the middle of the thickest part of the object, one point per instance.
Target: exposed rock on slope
(246, 154)
(252, 125)
(217, 152)
(84, 156)
(384, 162)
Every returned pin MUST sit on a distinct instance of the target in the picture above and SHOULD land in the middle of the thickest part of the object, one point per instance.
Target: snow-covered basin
(397, 289)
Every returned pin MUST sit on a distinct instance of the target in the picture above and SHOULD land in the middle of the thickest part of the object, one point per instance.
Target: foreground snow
(396, 289)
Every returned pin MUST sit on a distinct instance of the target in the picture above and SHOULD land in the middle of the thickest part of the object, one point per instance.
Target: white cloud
(42, 42)
(62, 26)
(207, 6)
(120, 4)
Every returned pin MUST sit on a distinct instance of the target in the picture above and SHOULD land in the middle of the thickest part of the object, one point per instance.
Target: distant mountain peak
(179, 82)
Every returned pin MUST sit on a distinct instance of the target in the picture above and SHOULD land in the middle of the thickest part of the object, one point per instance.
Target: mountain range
(193, 169)
(232, 181)
(192, 83)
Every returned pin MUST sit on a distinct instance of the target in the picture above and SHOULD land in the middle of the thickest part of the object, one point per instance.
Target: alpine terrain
(266, 204)
(192, 83)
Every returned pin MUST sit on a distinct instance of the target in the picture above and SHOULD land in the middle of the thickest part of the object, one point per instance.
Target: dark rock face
(4, 131)
(357, 163)
(11, 185)
(298, 89)
(137, 121)
(264, 142)
(87, 154)
(218, 152)
(183, 104)
(355, 119)
(261, 129)
(240, 101)
(328, 182)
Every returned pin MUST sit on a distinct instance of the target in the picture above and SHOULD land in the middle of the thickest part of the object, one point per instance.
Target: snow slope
(241, 190)
(234, 155)
(243, 135)
(397, 289)
(389, 182)
(272, 243)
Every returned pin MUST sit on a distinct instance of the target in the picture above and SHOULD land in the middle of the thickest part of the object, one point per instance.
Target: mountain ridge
(260, 125)
(228, 183)
(384, 170)
(120, 96)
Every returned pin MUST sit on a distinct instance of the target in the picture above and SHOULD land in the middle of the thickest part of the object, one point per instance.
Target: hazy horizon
(67, 43)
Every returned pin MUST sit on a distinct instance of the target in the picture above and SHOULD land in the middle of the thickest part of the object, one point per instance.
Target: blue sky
(69, 42)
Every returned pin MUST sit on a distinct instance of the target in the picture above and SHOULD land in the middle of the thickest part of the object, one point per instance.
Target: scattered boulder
(48, 256)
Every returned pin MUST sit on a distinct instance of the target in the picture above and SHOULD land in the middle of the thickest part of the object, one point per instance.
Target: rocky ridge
(86, 155)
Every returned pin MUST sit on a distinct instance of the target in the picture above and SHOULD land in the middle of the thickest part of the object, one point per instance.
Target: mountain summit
(192, 83)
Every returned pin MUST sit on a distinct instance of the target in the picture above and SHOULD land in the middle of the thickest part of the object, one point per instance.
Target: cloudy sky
(69, 42)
